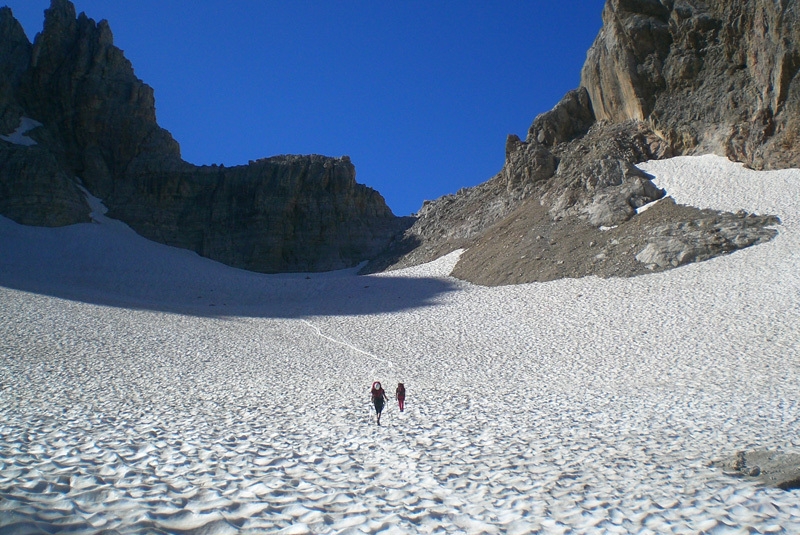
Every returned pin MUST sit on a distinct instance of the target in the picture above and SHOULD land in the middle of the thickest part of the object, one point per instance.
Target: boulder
(695, 240)
(767, 467)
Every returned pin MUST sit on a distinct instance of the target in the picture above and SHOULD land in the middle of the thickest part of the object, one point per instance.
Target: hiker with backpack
(400, 395)
(378, 398)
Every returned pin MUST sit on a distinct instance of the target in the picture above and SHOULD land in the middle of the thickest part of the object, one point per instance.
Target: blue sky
(420, 94)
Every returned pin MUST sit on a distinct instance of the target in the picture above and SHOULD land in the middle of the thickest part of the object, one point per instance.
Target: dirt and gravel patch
(529, 247)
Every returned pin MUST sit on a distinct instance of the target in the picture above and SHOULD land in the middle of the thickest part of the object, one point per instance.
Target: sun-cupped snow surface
(144, 389)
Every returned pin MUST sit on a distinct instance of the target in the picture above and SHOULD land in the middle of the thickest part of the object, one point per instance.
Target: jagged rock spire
(15, 49)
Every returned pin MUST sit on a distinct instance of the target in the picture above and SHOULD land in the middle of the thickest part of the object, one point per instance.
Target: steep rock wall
(663, 78)
(717, 76)
(98, 123)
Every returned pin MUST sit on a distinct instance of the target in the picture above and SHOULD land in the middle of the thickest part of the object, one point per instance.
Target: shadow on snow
(89, 264)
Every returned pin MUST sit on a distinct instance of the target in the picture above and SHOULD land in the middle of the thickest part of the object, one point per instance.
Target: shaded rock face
(35, 190)
(663, 78)
(298, 213)
(15, 51)
(98, 119)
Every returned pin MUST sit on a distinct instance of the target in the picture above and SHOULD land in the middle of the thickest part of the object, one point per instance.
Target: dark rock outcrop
(770, 468)
(663, 78)
(288, 213)
(15, 51)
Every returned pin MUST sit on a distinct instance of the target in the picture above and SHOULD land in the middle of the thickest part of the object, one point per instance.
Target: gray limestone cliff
(716, 76)
(663, 78)
(95, 122)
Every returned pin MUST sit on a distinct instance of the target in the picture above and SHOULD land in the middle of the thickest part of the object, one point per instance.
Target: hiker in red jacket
(400, 395)
(378, 398)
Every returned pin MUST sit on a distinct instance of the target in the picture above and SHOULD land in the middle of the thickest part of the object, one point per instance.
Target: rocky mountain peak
(60, 29)
(14, 45)
(290, 213)
(60, 14)
(663, 78)
(15, 55)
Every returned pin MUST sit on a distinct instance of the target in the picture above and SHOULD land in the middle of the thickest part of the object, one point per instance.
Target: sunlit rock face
(715, 76)
(662, 79)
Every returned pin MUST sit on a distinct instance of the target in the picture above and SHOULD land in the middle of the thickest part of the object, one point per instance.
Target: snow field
(128, 402)
(18, 136)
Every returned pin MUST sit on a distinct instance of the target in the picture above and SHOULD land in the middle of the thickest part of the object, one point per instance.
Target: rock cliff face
(34, 189)
(663, 78)
(708, 76)
(98, 123)
(286, 213)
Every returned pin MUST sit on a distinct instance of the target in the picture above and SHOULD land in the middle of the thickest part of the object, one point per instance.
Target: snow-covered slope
(143, 388)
